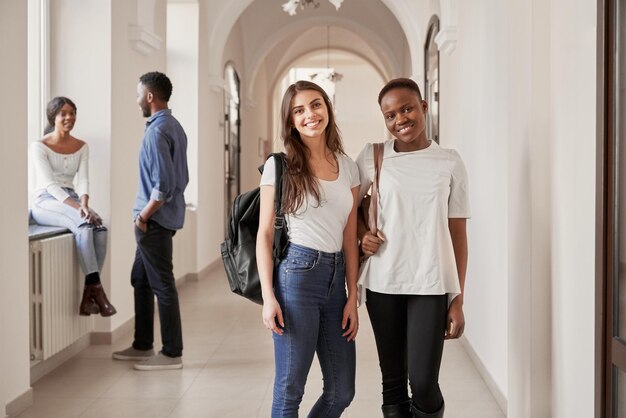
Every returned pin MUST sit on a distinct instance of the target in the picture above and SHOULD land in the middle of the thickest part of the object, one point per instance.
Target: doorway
(611, 224)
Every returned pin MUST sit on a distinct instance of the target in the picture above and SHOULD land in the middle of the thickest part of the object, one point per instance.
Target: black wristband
(141, 219)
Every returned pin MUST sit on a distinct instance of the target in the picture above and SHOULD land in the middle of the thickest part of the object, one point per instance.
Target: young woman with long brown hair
(304, 299)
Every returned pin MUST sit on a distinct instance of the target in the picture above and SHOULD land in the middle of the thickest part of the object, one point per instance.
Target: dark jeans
(409, 331)
(153, 274)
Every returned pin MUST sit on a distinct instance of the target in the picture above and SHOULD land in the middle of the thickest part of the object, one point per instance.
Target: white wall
(210, 146)
(473, 113)
(528, 270)
(127, 125)
(182, 69)
(356, 105)
(14, 343)
(80, 68)
(254, 126)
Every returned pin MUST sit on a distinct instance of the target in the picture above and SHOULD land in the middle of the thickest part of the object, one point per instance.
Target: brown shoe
(88, 306)
(96, 292)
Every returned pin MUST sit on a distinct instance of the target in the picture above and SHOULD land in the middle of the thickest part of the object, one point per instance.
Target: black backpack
(239, 248)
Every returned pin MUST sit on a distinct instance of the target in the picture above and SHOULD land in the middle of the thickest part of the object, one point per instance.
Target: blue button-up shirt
(163, 173)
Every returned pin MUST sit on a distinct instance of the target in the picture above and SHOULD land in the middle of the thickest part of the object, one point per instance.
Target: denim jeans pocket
(300, 263)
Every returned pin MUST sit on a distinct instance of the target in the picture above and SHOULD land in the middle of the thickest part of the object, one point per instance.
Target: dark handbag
(239, 248)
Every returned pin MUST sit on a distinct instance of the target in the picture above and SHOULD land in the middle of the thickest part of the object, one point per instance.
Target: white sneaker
(160, 362)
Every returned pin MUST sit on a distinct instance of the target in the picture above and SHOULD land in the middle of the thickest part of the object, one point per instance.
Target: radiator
(55, 293)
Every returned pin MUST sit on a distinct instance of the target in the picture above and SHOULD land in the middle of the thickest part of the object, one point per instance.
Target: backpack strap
(379, 149)
(280, 227)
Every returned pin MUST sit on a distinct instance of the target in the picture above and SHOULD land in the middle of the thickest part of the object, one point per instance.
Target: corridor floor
(228, 371)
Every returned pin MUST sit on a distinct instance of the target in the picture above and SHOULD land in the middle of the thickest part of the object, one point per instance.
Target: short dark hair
(399, 83)
(158, 84)
(53, 108)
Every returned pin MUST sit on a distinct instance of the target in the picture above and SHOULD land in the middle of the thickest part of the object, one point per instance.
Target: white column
(14, 324)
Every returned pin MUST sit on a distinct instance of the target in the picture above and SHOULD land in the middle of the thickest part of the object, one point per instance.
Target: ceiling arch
(291, 43)
(388, 20)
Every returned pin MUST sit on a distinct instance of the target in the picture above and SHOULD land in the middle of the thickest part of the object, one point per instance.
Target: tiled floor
(228, 371)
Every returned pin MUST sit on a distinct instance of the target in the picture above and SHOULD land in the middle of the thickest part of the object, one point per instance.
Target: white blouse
(54, 171)
(418, 192)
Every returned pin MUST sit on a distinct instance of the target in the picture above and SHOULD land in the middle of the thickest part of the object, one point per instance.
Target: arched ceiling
(371, 29)
(290, 49)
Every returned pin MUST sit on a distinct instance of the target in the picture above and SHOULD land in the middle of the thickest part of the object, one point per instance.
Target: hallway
(228, 371)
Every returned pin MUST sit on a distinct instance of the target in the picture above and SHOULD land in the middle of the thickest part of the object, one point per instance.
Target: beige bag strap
(379, 150)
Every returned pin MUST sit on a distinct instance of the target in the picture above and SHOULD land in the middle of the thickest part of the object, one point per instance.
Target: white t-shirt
(320, 226)
(53, 171)
(419, 191)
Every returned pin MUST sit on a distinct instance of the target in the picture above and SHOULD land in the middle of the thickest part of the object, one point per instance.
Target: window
(232, 150)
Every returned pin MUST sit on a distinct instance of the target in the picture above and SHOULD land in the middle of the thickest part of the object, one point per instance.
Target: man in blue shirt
(159, 212)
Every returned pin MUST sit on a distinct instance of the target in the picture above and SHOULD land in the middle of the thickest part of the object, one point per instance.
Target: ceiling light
(292, 5)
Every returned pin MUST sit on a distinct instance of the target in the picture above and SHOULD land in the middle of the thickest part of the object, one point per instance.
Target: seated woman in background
(59, 158)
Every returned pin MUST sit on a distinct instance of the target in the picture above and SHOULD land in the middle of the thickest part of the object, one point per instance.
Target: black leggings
(409, 331)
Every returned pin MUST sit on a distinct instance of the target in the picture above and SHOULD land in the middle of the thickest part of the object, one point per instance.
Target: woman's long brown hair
(298, 180)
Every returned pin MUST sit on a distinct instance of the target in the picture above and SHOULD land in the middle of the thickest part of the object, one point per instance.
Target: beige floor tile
(206, 408)
(305, 407)
(465, 390)
(242, 388)
(57, 408)
(473, 409)
(368, 390)
(161, 384)
(229, 371)
(92, 368)
(231, 368)
(364, 408)
(73, 387)
(129, 408)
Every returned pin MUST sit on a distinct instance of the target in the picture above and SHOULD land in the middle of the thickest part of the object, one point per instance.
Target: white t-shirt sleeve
(353, 169)
(268, 178)
(365, 165)
(458, 202)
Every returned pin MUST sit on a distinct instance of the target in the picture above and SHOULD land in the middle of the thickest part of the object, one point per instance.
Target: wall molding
(41, 368)
(448, 34)
(446, 39)
(143, 41)
(217, 84)
(110, 337)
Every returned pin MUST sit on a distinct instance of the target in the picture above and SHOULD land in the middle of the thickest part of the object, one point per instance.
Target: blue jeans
(310, 288)
(91, 242)
(153, 275)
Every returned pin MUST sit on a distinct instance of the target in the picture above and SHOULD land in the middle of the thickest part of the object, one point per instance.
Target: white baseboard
(19, 404)
(484, 373)
(110, 337)
(213, 265)
(42, 368)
